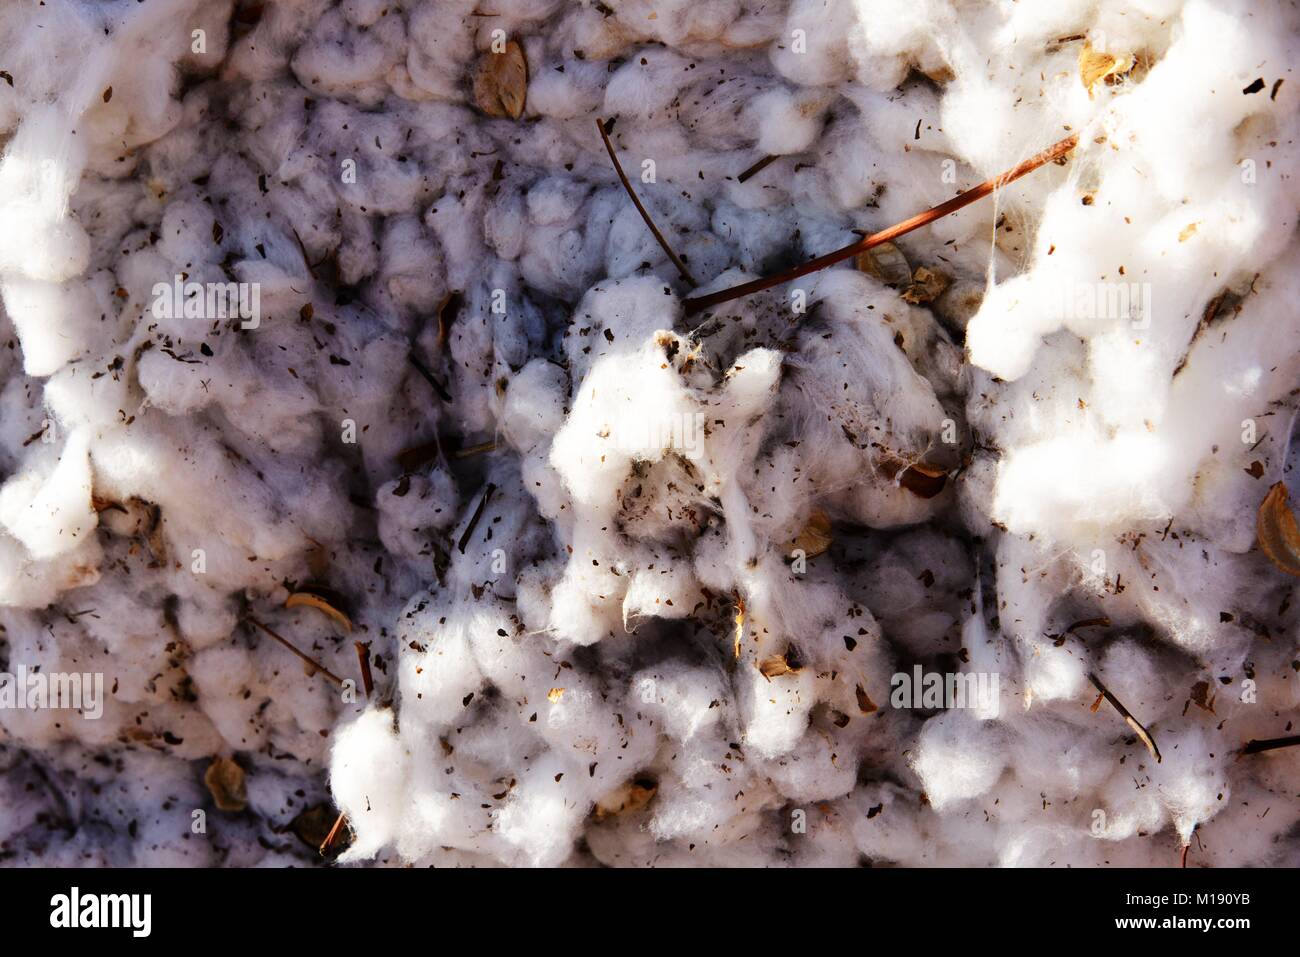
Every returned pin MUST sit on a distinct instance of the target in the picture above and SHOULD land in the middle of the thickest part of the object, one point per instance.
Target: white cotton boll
(817, 769)
(40, 167)
(885, 824)
(410, 506)
(554, 200)
(1128, 810)
(775, 710)
(708, 795)
(368, 774)
(684, 701)
(49, 511)
(958, 757)
(541, 818)
(628, 408)
(646, 84)
(1051, 757)
(51, 320)
(787, 123)
(1052, 673)
(577, 92)
(1080, 484)
(437, 673)
(1140, 678)
(665, 591)
(1191, 778)
(813, 48)
(222, 676)
(534, 404)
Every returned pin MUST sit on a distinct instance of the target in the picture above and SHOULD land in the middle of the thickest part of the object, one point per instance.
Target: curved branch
(700, 303)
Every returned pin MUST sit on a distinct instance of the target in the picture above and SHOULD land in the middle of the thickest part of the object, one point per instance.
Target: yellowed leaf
(225, 781)
(1096, 66)
(1279, 537)
(886, 263)
(310, 600)
(501, 82)
(1187, 233)
(927, 285)
(774, 666)
(554, 695)
(627, 798)
(816, 535)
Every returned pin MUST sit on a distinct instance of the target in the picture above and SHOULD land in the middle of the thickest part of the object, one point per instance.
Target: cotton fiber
(365, 440)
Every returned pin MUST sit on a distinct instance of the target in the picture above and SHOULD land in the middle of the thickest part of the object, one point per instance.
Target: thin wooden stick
(1254, 746)
(700, 303)
(429, 377)
(478, 514)
(1133, 722)
(663, 243)
(334, 832)
(479, 449)
(757, 168)
(306, 658)
(363, 656)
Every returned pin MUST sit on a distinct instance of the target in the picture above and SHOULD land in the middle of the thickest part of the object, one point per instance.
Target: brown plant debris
(927, 285)
(1050, 155)
(1276, 530)
(311, 599)
(659, 237)
(783, 664)
(627, 798)
(313, 666)
(815, 537)
(757, 168)
(1098, 67)
(225, 782)
(1133, 722)
(501, 82)
(1256, 746)
(885, 263)
(478, 515)
(363, 659)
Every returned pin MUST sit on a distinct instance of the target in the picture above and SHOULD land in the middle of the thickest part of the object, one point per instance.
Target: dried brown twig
(757, 168)
(306, 658)
(1255, 746)
(700, 303)
(659, 237)
(363, 656)
(1133, 722)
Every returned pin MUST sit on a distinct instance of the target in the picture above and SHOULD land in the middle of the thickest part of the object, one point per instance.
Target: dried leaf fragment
(554, 695)
(1279, 537)
(816, 535)
(501, 82)
(1096, 66)
(775, 666)
(886, 263)
(927, 285)
(923, 480)
(1202, 696)
(739, 630)
(312, 600)
(865, 704)
(225, 781)
(628, 798)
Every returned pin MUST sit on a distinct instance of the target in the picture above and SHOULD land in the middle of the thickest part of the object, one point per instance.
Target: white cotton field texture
(363, 456)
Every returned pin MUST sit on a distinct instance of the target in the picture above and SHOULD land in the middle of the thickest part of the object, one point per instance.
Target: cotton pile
(296, 302)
